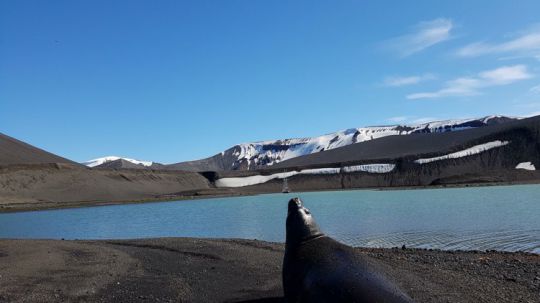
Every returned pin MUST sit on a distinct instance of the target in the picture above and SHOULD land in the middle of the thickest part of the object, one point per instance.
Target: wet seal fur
(316, 268)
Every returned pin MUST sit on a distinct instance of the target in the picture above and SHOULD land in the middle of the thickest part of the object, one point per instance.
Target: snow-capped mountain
(103, 160)
(266, 153)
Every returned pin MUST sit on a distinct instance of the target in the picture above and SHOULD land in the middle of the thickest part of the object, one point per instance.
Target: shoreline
(235, 270)
(223, 193)
(83, 204)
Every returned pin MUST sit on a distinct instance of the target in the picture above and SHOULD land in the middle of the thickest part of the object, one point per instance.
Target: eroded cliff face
(497, 164)
(266, 154)
(493, 165)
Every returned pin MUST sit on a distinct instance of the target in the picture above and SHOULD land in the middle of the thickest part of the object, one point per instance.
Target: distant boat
(285, 188)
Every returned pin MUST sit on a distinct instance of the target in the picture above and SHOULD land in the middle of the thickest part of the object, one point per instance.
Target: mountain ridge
(261, 154)
(265, 153)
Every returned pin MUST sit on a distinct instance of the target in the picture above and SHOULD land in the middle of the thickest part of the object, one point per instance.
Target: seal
(317, 268)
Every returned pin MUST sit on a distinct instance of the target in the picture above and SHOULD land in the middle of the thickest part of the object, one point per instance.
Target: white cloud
(457, 87)
(535, 89)
(425, 34)
(469, 86)
(526, 44)
(505, 75)
(409, 80)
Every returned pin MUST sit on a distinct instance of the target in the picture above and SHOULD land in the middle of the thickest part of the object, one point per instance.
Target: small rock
(510, 279)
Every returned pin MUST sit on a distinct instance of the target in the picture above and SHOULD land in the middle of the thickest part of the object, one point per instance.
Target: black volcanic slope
(433, 144)
(13, 151)
(228, 160)
(214, 163)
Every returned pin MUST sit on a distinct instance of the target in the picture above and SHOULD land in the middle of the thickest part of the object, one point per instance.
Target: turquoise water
(498, 217)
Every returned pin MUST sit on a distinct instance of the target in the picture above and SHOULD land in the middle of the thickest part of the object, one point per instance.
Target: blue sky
(170, 81)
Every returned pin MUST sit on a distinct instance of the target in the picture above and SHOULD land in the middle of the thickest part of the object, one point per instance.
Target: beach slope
(210, 270)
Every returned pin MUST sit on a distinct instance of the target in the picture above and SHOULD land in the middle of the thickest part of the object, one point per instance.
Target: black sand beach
(207, 270)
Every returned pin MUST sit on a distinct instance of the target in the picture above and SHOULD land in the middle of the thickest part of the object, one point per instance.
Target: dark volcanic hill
(267, 154)
(54, 185)
(416, 145)
(31, 178)
(507, 153)
(13, 151)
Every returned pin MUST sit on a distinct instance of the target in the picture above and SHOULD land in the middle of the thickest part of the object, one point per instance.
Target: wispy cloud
(504, 75)
(469, 86)
(422, 36)
(527, 44)
(408, 80)
(535, 89)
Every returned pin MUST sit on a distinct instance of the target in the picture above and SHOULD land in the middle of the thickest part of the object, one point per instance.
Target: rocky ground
(205, 270)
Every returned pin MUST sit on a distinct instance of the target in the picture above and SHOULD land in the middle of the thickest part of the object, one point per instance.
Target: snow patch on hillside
(466, 152)
(526, 166)
(258, 179)
(370, 168)
(252, 180)
(99, 161)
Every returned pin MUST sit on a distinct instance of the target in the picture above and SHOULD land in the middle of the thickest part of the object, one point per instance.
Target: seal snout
(294, 204)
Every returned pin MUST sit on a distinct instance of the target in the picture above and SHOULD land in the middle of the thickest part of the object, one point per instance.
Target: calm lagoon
(491, 217)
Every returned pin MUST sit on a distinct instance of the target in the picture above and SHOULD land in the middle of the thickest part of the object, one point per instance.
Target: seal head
(300, 225)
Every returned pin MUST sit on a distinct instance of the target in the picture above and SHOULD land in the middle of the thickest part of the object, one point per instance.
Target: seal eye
(307, 211)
